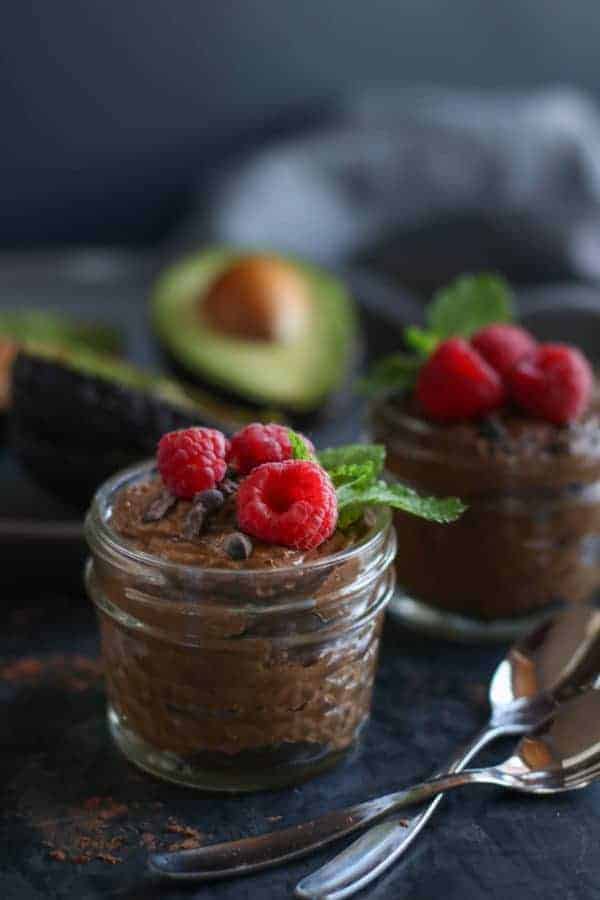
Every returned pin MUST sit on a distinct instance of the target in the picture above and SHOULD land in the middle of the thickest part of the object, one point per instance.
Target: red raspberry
(457, 383)
(503, 346)
(292, 503)
(257, 444)
(554, 384)
(192, 460)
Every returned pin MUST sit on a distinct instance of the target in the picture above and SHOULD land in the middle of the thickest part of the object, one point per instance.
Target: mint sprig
(356, 495)
(355, 470)
(468, 304)
(458, 310)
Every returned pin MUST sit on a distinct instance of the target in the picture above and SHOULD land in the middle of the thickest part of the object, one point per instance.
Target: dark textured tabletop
(77, 821)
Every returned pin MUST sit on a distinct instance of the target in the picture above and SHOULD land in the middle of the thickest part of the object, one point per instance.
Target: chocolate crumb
(187, 844)
(238, 546)
(160, 506)
(115, 810)
(109, 858)
(211, 500)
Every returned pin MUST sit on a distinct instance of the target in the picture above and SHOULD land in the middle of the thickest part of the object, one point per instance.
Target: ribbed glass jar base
(439, 622)
(203, 776)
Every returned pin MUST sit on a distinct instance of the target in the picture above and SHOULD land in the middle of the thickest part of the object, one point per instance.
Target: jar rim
(99, 532)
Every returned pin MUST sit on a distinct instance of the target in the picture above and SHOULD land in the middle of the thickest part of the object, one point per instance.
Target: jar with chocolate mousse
(513, 427)
(233, 662)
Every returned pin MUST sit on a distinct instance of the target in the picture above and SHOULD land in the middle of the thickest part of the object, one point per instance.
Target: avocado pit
(258, 298)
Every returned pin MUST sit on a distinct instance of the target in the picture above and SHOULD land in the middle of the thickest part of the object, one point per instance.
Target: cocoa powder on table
(74, 671)
(101, 829)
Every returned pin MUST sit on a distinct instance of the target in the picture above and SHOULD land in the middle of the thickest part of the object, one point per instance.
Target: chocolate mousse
(241, 586)
(168, 535)
(530, 535)
(512, 425)
(232, 663)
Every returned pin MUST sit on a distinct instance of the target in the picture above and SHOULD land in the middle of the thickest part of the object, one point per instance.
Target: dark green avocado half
(47, 328)
(79, 416)
(297, 377)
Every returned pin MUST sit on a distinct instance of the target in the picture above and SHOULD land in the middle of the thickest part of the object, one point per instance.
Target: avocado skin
(184, 283)
(71, 429)
(68, 471)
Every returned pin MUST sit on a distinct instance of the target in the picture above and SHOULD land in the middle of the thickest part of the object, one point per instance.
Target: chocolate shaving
(203, 505)
(160, 506)
(194, 522)
(238, 546)
(228, 487)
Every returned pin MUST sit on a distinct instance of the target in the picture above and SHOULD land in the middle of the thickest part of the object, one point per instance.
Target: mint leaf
(345, 474)
(353, 455)
(300, 449)
(468, 304)
(354, 496)
(422, 341)
(396, 372)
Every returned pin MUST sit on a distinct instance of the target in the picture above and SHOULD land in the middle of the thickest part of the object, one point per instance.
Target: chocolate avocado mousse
(186, 533)
(241, 587)
(529, 536)
(513, 427)
(254, 701)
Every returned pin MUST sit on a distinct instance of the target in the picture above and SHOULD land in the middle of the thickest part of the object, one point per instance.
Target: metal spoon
(561, 755)
(558, 658)
(561, 655)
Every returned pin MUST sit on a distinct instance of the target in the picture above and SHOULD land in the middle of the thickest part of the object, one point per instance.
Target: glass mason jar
(530, 538)
(236, 679)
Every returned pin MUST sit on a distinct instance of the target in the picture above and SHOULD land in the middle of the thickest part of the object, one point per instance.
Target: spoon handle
(235, 858)
(374, 852)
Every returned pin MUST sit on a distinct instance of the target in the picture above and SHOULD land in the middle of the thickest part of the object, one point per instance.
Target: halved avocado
(296, 371)
(78, 416)
(47, 328)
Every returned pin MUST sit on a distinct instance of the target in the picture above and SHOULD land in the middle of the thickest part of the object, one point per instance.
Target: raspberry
(457, 383)
(292, 503)
(192, 460)
(257, 444)
(503, 346)
(554, 384)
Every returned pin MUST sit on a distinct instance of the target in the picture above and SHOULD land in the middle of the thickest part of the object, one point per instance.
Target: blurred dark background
(110, 110)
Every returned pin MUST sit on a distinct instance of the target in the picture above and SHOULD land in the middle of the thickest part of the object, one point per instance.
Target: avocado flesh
(297, 376)
(46, 327)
